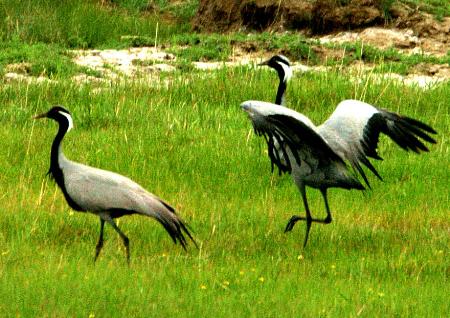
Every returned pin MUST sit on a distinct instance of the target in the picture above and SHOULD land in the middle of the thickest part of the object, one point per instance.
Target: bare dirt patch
(127, 62)
(369, 22)
(319, 17)
(364, 21)
(146, 63)
(116, 64)
(404, 40)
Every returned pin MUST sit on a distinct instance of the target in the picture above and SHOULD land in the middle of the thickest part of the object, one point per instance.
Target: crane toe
(308, 227)
(98, 248)
(294, 219)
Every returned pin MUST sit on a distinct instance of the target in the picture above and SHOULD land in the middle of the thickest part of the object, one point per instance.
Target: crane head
(281, 64)
(276, 60)
(58, 113)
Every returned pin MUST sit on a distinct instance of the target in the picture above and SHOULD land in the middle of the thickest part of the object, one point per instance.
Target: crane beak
(40, 116)
(246, 107)
(263, 63)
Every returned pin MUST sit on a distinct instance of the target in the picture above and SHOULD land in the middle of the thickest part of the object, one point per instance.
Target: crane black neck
(279, 100)
(55, 169)
(65, 124)
(284, 75)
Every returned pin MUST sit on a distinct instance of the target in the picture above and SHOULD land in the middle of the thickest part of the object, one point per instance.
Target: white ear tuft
(69, 120)
(287, 71)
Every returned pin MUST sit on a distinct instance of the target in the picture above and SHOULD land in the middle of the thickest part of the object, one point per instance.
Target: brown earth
(313, 16)
(398, 26)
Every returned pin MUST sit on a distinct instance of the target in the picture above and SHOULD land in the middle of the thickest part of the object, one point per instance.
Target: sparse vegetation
(47, 60)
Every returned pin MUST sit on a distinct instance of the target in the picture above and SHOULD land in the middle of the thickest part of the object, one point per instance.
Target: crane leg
(309, 220)
(99, 245)
(328, 218)
(126, 241)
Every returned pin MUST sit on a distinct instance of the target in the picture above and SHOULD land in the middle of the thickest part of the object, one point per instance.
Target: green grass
(88, 24)
(439, 8)
(387, 59)
(38, 59)
(385, 254)
(118, 23)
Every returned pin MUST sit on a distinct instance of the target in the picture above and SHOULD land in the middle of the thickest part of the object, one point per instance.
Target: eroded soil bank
(315, 16)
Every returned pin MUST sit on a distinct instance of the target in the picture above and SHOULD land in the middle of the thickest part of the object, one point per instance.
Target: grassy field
(386, 253)
(185, 139)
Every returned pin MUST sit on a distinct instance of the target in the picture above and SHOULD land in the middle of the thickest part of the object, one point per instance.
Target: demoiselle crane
(317, 156)
(106, 194)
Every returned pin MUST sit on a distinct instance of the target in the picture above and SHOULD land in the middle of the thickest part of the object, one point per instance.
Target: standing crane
(317, 156)
(104, 193)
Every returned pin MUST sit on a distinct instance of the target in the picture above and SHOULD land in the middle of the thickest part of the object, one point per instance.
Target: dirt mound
(425, 26)
(314, 16)
(319, 16)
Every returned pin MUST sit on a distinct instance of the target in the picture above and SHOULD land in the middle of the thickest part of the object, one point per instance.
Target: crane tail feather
(175, 227)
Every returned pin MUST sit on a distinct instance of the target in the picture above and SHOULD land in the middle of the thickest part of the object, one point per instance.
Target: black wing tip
(273, 153)
(419, 124)
(176, 230)
(408, 133)
(168, 206)
(176, 227)
(185, 228)
(431, 140)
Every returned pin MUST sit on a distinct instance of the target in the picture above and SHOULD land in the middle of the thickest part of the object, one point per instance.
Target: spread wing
(287, 131)
(354, 128)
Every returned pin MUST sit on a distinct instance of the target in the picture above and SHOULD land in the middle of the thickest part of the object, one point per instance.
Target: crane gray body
(96, 190)
(104, 193)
